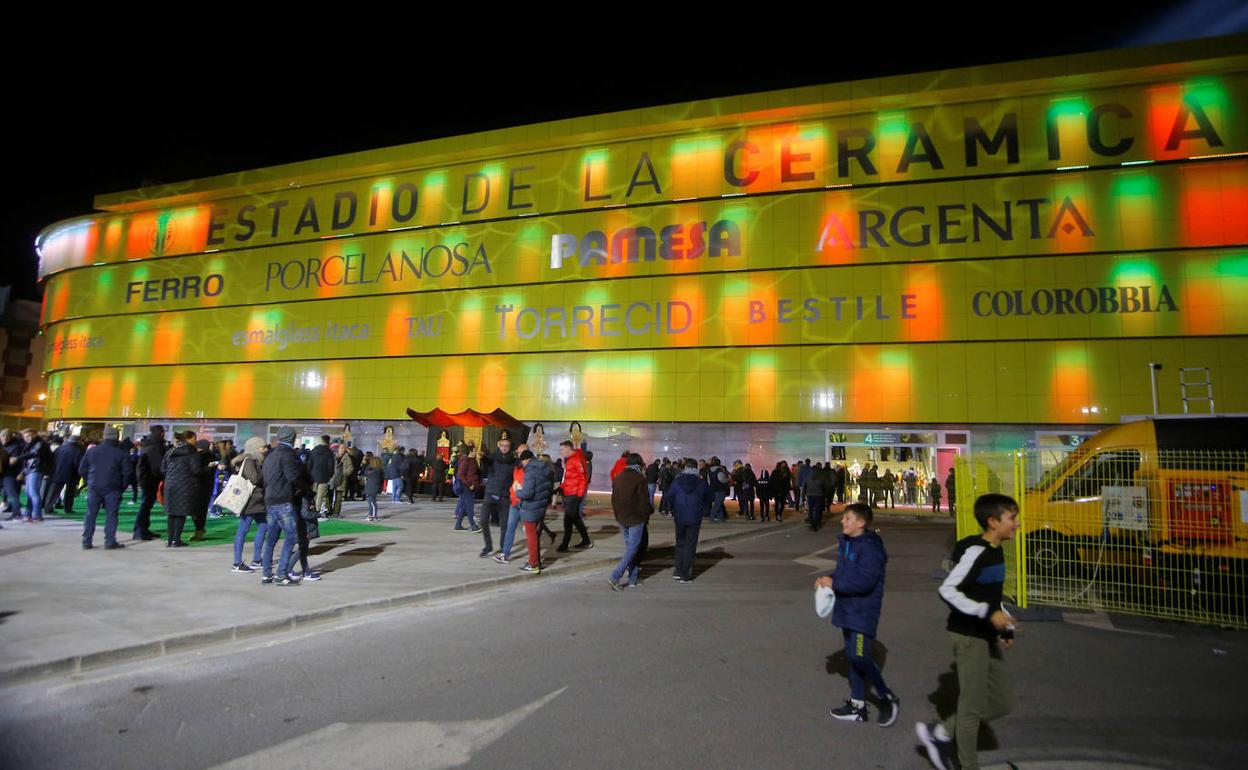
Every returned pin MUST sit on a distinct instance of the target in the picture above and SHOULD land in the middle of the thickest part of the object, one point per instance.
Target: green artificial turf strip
(220, 531)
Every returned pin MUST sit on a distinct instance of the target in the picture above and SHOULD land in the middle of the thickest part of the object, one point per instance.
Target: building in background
(22, 392)
(898, 269)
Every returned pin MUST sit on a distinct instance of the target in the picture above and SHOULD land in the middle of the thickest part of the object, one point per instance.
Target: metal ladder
(1195, 384)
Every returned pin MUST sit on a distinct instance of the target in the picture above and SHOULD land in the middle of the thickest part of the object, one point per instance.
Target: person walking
(182, 470)
(534, 496)
(495, 503)
(933, 494)
(107, 468)
(468, 476)
(746, 482)
(632, 505)
(249, 465)
(575, 485)
(951, 487)
(980, 630)
(858, 582)
(65, 475)
(689, 498)
(147, 469)
(764, 496)
(285, 481)
(10, 448)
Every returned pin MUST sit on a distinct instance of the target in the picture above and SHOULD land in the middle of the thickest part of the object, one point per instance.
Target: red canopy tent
(469, 418)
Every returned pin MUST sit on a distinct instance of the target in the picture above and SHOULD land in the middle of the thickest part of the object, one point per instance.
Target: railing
(1160, 534)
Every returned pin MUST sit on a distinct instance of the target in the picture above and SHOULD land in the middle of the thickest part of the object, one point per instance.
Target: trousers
(985, 693)
(573, 519)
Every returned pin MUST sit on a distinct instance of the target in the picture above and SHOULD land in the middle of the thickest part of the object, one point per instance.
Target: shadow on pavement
(945, 699)
(353, 557)
(838, 665)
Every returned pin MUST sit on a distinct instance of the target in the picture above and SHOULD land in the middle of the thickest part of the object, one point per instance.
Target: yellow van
(1170, 491)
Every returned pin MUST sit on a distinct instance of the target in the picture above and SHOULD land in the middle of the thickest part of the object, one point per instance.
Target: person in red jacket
(620, 465)
(575, 485)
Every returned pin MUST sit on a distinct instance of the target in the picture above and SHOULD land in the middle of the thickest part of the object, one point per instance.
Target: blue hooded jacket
(689, 496)
(858, 582)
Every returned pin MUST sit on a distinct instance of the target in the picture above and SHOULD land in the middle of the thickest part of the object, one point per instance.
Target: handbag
(314, 529)
(236, 493)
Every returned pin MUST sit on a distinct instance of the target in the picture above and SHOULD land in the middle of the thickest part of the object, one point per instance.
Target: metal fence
(1134, 530)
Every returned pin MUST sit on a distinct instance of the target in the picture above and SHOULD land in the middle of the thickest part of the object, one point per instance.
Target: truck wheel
(1050, 554)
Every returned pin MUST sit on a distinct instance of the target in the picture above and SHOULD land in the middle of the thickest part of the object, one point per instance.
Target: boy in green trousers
(979, 629)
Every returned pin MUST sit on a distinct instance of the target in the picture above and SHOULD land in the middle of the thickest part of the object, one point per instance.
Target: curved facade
(994, 248)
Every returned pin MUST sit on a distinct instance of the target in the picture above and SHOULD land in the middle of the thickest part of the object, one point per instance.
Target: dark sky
(111, 105)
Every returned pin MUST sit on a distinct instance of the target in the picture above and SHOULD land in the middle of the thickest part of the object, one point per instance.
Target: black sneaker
(485, 552)
(889, 710)
(850, 713)
(286, 581)
(615, 586)
(256, 566)
(113, 546)
(240, 567)
(939, 753)
(561, 549)
(266, 580)
(583, 546)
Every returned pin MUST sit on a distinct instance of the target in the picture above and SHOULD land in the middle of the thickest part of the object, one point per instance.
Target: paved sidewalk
(63, 609)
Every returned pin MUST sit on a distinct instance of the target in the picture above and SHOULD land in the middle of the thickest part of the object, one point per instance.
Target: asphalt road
(731, 671)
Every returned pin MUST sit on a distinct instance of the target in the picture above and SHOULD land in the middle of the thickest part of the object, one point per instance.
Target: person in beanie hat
(285, 481)
(534, 495)
(107, 469)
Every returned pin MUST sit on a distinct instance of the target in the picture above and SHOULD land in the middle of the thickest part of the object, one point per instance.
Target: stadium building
(901, 269)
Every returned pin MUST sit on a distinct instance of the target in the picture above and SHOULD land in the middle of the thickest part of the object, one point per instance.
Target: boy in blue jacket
(858, 582)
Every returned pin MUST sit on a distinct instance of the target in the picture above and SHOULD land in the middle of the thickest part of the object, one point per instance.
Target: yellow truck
(1163, 500)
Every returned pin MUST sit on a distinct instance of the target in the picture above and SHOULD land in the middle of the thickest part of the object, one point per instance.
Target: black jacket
(182, 469)
(321, 464)
(36, 457)
(66, 461)
(285, 478)
(501, 469)
(107, 467)
(151, 455)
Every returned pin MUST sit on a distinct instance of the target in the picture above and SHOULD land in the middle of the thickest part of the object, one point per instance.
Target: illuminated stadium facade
(979, 257)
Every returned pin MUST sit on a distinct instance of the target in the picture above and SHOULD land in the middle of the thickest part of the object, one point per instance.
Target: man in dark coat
(632, 505)
(65, 476)
(496, 504)
(108, 470)
(285, 481)
(688, 497)
(321, 469)
(147, 468)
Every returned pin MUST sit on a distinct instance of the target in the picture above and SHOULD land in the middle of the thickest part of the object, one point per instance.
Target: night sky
(114, 106)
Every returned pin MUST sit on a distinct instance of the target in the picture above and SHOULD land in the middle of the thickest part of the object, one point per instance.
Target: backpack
(720, 475)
